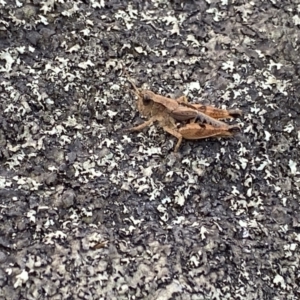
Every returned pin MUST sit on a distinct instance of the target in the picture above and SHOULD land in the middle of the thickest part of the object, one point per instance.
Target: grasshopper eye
(146, 99)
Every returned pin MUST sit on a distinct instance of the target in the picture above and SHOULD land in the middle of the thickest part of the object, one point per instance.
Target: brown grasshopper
(203, 119)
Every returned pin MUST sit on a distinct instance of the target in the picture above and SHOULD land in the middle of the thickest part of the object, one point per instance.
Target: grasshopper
(203, 119)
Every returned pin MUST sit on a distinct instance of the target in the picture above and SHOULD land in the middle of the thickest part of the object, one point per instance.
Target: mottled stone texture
(90, 211)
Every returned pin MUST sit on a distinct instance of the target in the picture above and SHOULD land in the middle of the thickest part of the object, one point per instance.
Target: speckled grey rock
(90, 211)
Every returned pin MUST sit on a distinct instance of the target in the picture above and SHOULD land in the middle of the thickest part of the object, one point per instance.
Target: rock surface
(89, 211)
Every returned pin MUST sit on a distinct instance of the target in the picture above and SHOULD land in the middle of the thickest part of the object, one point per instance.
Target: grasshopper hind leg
(175, 134)
(218, 113)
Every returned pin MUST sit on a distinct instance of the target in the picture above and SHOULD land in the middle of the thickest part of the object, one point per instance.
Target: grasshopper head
(147, 97)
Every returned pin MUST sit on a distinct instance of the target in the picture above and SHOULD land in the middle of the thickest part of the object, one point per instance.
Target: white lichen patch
(228, 66)
(172, 20)
(279, 280)
(86, 64)
(293, 167)
(217, 14)
(21, 279)
(179, 198)
(9, 60)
